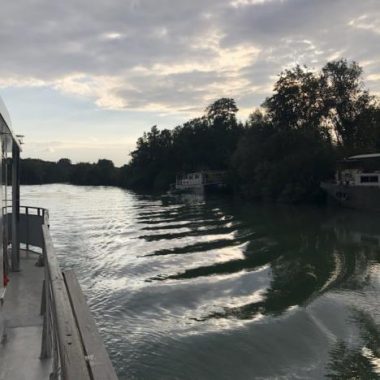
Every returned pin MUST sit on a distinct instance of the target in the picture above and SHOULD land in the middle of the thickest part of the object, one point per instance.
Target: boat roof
(4, 113)
(6, 126)
(364, 156)
(181, 175)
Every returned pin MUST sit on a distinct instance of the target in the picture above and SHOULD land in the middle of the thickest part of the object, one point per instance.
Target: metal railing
(70, 336)
(30, 226)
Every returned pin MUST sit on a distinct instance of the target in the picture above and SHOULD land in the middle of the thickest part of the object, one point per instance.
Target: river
(218, 289)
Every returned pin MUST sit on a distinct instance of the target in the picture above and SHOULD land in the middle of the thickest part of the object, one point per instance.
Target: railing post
(43, 298)
(15, 208)
(46, 343)
(5, 239)
(57, 373)
(27, 227)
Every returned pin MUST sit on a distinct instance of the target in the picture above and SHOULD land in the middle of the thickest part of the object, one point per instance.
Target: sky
(83, 79)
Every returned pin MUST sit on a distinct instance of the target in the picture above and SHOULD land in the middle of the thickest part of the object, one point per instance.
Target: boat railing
(30, 226)
(70, 336)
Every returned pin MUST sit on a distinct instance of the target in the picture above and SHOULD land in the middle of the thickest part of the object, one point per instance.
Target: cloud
(244, 3)
(367, 22)
(164, 56)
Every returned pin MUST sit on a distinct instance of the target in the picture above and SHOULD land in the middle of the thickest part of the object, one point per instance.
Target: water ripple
(214, 289)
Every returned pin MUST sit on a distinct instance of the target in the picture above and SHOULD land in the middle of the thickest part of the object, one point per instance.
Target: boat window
(369, 179)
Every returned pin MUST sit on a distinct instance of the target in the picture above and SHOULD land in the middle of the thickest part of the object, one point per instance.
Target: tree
(297, 101)
(64, 162)
(63, 170)
(281, 165)
(347, 100)
(151, 164)
(222, 111)
(206, 142)
(282, 152)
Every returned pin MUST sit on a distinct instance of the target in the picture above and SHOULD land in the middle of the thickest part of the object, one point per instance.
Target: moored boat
(357, 182)
(205, 181)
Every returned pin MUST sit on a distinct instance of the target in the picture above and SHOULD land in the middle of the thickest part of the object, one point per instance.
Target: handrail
(31, 220)
(40, 211)
(59, 319)
(98, 360)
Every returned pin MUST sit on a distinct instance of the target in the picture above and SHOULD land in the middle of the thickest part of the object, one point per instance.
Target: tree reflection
(309, 258)
(358, 362)
(309, 250)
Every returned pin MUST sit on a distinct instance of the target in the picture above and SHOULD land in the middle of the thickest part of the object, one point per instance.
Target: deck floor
(20, 348)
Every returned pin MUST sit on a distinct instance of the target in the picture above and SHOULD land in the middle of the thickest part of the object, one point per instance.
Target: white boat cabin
(10, 147)
(360, 170)
(200, 179)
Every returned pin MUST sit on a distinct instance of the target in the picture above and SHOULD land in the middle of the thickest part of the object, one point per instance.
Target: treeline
(207, 142)
(34, 172)
(283, 151)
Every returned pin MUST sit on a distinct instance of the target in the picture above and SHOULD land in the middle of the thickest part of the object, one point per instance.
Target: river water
(216, 289)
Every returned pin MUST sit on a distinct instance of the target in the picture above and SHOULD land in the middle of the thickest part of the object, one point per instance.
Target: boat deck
(21, 343)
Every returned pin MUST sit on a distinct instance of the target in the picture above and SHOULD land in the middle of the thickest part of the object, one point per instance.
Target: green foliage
(222, 111)
(282, 153)
(348, 102)
(310, 120)
(286, 166)
(297, 101)
(35, 171)
(201, 143)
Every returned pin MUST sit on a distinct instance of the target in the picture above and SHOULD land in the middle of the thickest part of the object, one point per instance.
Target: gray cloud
(163, 55)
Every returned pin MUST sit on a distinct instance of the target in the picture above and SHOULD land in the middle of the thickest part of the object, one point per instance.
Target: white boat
(200, 182)
(357, 182)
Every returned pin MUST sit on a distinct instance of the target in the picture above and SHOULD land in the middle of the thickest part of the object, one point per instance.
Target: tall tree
(347, 100)
(297, 101)
(222, 111)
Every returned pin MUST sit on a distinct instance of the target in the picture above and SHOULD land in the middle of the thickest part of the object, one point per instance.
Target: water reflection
(173, 283)
(358, 360)
(307, 255)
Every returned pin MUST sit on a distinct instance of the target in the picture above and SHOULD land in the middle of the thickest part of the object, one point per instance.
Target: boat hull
(356, 197)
